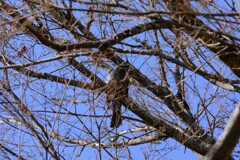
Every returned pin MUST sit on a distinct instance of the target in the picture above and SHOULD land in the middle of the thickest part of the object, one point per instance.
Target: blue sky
(56, 92)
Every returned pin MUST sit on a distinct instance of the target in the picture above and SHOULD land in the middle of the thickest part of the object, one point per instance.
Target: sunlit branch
(46, 76)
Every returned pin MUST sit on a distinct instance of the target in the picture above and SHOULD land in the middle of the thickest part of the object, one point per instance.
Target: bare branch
(224, 146)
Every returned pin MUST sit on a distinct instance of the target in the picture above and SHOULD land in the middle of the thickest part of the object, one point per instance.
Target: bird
(117, 88)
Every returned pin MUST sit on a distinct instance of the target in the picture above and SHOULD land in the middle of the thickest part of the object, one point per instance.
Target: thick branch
(228, 140)
(193, 143)
(213, 78)
(213, 40)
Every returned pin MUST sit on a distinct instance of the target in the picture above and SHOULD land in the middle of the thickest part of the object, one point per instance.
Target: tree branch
(224, 146)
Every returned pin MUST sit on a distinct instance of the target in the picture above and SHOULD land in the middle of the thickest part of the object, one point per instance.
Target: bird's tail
(116, 120)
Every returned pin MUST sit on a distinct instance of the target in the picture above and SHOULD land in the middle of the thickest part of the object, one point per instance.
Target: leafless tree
(183, 69)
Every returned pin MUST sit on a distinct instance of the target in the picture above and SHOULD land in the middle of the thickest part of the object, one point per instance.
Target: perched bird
(117, 88)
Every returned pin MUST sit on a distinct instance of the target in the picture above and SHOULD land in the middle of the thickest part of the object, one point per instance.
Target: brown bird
(117, 88)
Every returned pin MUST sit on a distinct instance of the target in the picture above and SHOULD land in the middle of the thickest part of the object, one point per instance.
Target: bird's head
(124, 65)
